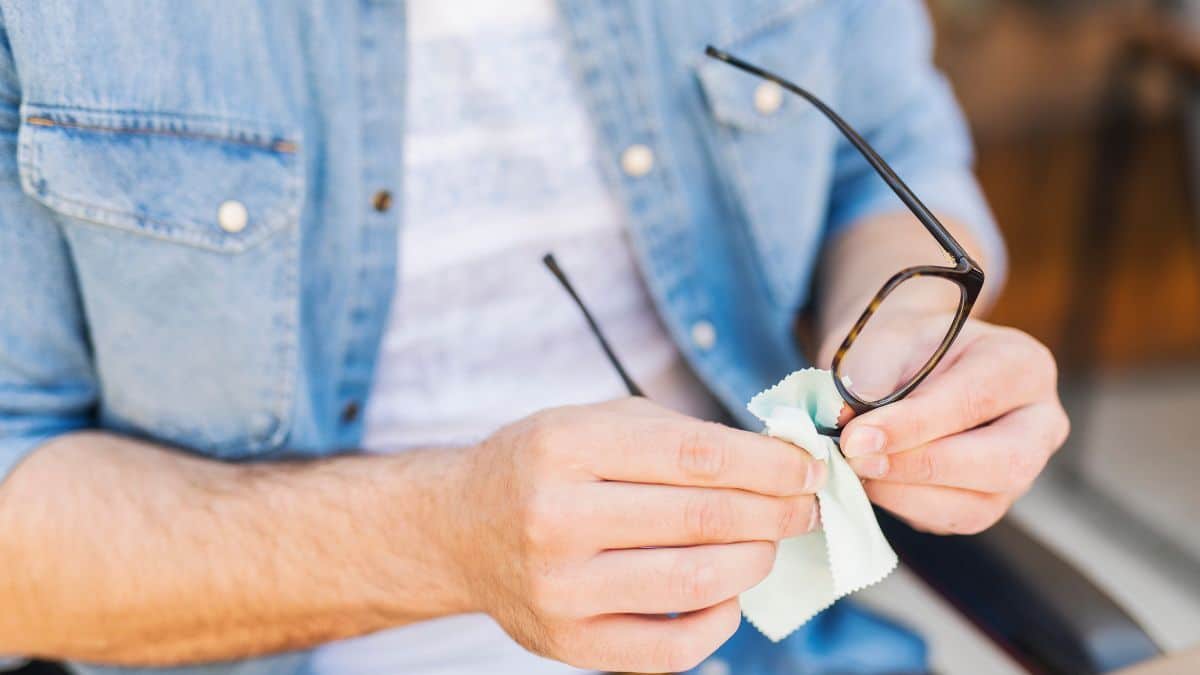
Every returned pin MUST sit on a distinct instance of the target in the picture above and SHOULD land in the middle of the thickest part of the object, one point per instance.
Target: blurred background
(1086, 115)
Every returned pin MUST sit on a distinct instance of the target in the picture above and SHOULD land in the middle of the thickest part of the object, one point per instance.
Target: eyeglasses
(870, 369)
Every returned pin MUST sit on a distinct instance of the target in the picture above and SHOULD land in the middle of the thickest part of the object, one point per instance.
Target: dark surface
(1026, 599)
(38, 668)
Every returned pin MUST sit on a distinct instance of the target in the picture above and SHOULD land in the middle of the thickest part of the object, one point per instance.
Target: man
(243, 239)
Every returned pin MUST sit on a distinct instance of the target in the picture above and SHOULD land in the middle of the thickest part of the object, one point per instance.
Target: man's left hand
(955, 454)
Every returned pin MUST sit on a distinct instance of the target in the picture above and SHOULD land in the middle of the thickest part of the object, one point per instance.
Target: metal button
(704, 335)
(768, 96)
(350, 412)
(715, 666)
(637, 160)
(232, 216)
(382, 201)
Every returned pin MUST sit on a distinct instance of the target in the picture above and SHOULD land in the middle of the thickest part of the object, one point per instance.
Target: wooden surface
(1037, 189)
(1031, 83)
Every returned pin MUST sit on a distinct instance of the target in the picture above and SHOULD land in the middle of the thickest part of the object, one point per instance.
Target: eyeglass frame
(966, 273)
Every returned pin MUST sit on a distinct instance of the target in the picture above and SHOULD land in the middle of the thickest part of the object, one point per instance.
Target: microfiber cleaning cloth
(849, 551)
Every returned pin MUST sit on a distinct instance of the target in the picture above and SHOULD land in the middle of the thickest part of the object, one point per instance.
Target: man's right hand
(582, 528)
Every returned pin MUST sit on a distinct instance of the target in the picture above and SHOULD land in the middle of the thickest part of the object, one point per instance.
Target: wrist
(415, 571)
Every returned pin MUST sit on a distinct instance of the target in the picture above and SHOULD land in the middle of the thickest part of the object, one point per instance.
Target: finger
(941, 510)
(1003, 457)
(690, 452)
(996, 374)
(643, 407)
(654, 644)
(631, 515)
(845, 415)
(668, 580)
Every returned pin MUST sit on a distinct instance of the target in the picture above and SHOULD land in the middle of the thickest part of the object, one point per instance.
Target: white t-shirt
(500, 167)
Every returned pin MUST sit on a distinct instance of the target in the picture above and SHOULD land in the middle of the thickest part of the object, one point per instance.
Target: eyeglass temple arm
(552, 265)
(931, 223)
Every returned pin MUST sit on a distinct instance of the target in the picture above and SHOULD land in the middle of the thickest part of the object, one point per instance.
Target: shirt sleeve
(891, 92)
(47, 384)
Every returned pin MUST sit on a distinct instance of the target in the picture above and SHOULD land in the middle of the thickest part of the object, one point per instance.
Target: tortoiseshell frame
(966, 273)
(969, 279)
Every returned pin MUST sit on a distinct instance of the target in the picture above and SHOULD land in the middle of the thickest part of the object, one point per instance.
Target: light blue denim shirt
(192, 252)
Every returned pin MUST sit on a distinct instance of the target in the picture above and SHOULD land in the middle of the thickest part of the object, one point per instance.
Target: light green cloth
(849, 552)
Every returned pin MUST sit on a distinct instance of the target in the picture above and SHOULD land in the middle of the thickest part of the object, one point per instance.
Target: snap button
(382, 201)
(715, 667)
(704, 335)
(232, 216)
(637, 160)
(768, 96)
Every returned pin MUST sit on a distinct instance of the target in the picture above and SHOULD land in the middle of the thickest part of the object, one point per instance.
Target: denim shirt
(195, 249)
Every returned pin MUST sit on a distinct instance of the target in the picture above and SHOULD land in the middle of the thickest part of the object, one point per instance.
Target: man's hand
(586, 526)
(954, 455)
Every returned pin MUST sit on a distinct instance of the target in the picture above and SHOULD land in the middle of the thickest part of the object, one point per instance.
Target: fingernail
(864, 441)
(871, 466)
(815, 479)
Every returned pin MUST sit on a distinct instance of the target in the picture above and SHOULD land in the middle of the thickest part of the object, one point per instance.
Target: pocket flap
(747, 102)
(212, 183)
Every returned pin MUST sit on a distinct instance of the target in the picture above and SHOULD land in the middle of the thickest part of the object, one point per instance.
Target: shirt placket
(616, 80)
(381, 59)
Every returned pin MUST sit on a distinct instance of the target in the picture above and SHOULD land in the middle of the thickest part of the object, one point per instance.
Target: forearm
(857, 263)
(118, 551)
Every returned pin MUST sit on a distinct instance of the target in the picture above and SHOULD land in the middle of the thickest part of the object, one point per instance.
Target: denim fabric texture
(129, 304)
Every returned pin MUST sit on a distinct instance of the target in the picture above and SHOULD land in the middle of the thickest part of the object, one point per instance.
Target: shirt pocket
(184, 234)
(773, 149)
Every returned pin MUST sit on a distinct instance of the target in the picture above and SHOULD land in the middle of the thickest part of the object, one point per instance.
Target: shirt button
(715, 667)
(768, 96)
(704, 335)
(232, 216)
(382, 201)
(350, 412)
(637, 160)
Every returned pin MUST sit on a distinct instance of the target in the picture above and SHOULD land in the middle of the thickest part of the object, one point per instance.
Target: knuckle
(691, 653)
(689, 650)
(1038, 368)
(672, 655)
(542, 433)
(911, 427)
(710, 517)
(701, 456)
(979, 403)
(927, 467)
(547, 596)
(1040, 357)
(789, 521)
(763, 558)
(974, 521)
(729, 618)
(545, 523)
(1048, 362)
(786, 473)
(1061, 426)
(1023, 467)
(696, 581)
